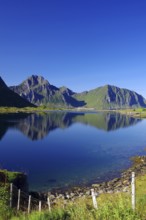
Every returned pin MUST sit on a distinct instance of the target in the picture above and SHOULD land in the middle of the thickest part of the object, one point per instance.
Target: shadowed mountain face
(9, 121)
(38, 126)
(39, 91)
(8, 98)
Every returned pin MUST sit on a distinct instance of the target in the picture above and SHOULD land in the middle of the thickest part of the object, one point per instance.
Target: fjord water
(61, 149)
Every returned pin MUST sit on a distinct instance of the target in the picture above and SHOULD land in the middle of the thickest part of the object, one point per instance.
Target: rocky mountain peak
(35, 80)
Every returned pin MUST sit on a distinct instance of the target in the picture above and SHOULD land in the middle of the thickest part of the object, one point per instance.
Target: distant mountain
(39, 91)
(111, 97)
(9, 98)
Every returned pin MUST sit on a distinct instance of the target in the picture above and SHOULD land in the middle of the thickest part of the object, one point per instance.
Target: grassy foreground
(115, 206)
(110, 207)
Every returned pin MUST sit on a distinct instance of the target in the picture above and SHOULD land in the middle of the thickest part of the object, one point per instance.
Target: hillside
(111, 97)
(9, 98)
(39, 91)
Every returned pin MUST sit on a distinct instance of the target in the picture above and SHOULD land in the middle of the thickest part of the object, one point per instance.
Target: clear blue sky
(81, 44)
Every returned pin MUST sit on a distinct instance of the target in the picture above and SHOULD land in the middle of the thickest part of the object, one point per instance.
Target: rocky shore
(116, 185)
(121, 184)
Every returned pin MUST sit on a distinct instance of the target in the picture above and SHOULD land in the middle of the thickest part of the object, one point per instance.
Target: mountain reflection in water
(60, 148)
(37, 126)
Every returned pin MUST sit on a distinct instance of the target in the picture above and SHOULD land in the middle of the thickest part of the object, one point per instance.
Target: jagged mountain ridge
(39, 91)
(111, 97)
(8, 98)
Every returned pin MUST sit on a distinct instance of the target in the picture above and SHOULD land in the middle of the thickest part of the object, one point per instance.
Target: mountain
(9, 98)
(39, 91)
(111, 97)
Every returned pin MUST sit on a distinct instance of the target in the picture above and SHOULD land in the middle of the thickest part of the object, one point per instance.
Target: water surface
(60, 149)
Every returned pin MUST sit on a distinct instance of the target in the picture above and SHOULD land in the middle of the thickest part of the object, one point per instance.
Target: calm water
(60, 149)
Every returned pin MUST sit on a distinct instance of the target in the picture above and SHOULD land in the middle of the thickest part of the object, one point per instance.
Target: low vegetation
(6, 110)
(4, 208)
(110, 209)
(8, 176)
(137, 112)
(115, 206)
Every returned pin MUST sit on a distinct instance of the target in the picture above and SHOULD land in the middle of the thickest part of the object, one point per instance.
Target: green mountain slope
(9, 98)
(111, 97)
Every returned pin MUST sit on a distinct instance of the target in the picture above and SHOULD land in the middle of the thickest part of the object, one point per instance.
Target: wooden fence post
(48, 202)
(11, 193)
(29, 203)
(18, 202)
(40, 206)
(133, 190)
(94, 199)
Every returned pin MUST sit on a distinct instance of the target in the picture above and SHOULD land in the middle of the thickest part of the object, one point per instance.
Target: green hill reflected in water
(37, 126)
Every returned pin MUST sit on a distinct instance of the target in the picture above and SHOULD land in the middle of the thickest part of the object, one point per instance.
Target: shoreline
(116, 185)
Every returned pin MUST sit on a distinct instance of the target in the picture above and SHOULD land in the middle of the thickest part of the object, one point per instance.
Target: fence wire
(38, 204)
(23, 201)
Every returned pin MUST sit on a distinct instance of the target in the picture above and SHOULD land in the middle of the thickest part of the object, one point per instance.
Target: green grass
(110, 207)
(116, 206)
(6, 110)
(5, 211)
(137, 112)
(14, 109)
(9, 176)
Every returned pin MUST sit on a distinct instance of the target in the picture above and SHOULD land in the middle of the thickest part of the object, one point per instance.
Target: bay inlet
(62, 149)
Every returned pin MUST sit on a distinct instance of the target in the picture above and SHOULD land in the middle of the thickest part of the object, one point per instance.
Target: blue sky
(81, 44)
